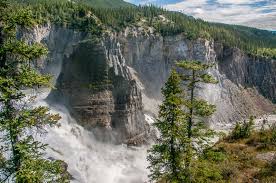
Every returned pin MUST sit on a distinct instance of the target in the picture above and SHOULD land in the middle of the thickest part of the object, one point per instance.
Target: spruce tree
(166, 156)
(181, 124)
(195, 74)
(22, 158)
(196, 109)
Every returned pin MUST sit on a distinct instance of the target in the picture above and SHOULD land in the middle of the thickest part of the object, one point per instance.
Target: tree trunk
(13, 136)
(190, 120)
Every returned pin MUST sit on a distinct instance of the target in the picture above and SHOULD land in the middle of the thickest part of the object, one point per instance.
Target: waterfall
(90, 161)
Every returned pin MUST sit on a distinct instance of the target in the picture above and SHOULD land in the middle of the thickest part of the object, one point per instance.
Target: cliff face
(249, 71)
(242, 79)
(99, 90)
(108, 84)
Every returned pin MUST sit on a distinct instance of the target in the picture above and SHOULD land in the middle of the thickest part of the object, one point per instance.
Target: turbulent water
(90, 161)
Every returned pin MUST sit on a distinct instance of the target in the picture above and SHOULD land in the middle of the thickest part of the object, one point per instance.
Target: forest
(96, 18)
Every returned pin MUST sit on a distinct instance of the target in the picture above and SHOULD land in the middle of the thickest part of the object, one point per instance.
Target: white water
(90, 161)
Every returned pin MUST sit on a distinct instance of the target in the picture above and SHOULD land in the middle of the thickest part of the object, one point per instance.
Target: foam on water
(90, 161)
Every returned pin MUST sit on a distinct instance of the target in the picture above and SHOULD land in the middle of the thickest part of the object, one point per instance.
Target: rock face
(99, 90)
(249, 71)
(109, 83)
(59, 41)
(93, 81)
(241, 77)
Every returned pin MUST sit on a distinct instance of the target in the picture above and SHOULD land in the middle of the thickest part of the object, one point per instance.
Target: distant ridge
(91, 3)
(72, 14)
(107, 3)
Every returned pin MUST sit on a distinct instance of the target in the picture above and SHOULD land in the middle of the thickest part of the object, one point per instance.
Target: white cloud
(199, 11)
(237, 1)
(255, 13)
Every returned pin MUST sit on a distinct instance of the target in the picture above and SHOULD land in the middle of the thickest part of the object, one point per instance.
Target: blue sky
(254, 13)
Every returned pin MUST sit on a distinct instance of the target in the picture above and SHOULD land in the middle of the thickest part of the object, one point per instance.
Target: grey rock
(109, 83)
(269, 156)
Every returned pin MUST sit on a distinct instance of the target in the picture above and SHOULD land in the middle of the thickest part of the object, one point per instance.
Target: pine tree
(166, 157)
(22, 156)
(196, 109)
(180, 123)
(194, 75)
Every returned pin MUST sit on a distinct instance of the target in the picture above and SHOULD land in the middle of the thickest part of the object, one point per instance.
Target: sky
(254, 13)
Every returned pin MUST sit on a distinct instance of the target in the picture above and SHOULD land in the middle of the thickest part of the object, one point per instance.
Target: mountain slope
(75, 14)
(92, 3)
(107, 3)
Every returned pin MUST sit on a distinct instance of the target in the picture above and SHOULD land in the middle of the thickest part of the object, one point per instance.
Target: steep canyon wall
(109, 83)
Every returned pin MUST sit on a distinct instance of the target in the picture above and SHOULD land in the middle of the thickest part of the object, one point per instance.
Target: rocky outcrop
(93, 82)
(236, 95)
(249, 71)
(109, 83)
(97, 87)
(269, 156)
(59, 41)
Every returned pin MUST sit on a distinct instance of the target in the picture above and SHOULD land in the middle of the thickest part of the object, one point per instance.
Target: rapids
(91, 161)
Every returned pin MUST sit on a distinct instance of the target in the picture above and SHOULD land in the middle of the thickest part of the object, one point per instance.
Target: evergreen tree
(195, 74)
(89, 17)
(180, 124)
(166, 157)
(196, 109)
(22, 159)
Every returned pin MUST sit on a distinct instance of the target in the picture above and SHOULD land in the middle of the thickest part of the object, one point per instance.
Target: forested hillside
(116, 15)
(94, 3)
(107, 3)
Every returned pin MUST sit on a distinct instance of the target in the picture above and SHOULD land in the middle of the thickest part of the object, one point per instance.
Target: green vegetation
(248, 159)
(266, 52)
(90, 16)
(182, 153)
(243, 130)
(196, 109)
(92, 3)
(266, 137)
(182, 131)
(106, 3)
(22, 157)
(167, 156)
(242, 160)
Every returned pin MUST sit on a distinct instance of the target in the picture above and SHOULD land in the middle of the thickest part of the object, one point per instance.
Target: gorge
(109, 65)
(112, 89)
(112, 82)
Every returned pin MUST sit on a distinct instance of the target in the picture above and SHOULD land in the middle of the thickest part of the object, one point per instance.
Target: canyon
(107, 91)
(112, 84)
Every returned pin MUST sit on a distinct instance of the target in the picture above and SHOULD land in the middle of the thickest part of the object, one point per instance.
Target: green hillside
(92, 3)
(107, 3)
(115, 15)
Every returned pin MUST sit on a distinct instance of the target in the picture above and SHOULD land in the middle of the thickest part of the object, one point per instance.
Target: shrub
(273, 134)
(205, 171)
(268, 173)
(216, 155)
(243, 130)
(229, 170)
(268, 137)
